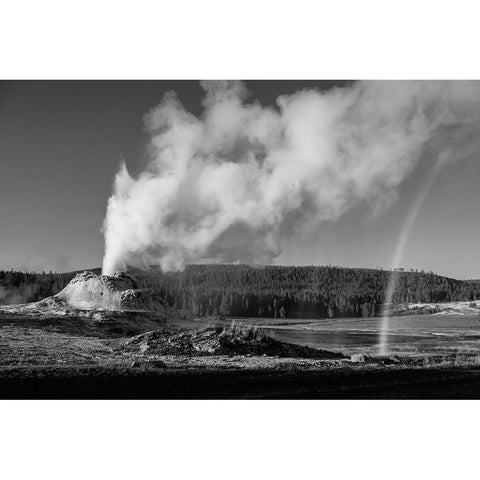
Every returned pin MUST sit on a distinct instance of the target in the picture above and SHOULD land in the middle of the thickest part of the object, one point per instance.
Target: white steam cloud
(228, 186)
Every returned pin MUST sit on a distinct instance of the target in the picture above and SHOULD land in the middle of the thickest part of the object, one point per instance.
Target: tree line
(23, 287)
(270, 291)
(299, 291)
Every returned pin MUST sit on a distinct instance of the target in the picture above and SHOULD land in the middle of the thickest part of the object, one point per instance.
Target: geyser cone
(111, 304)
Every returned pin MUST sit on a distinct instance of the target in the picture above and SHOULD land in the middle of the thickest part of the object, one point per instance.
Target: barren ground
(42, 359)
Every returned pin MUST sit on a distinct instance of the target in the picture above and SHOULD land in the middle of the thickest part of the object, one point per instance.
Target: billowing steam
(228, 186)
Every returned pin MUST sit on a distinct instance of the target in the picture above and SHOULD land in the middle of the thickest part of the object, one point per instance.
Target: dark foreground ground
(130, 383)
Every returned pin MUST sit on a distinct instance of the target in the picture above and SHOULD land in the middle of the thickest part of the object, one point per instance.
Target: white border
(247, 39)
(238, 440)
(187, 39)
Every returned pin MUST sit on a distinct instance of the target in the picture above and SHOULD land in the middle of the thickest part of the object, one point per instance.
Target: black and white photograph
(262, 239)
(239, 240)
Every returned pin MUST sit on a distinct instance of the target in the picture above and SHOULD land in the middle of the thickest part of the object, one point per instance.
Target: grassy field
(433, 357)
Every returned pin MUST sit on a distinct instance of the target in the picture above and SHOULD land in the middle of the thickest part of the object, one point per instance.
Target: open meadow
(429, 356)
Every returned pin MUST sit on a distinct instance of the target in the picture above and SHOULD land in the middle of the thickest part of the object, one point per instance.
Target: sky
(61, 143)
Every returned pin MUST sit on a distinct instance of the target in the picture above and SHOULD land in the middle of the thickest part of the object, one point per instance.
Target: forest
(266, 291)
(299, 291)
(23, 287)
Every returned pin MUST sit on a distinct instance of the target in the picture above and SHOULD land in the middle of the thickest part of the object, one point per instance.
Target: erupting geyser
(240, 180)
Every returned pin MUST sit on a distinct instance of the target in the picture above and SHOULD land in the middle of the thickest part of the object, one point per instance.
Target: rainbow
(399, 251)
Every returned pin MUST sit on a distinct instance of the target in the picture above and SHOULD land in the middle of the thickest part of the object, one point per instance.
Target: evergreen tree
(224, 308)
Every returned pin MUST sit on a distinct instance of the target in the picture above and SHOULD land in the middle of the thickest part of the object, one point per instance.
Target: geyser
(113, 304)
(234, 183)
(119, 292)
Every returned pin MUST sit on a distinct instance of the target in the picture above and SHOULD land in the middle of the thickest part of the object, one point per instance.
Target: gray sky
(61, 143)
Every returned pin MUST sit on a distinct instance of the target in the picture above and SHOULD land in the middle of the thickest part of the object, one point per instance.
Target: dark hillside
(269, 291)
(307, 292)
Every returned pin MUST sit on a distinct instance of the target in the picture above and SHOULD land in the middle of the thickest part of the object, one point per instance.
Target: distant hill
(265, 291)
(300, 291)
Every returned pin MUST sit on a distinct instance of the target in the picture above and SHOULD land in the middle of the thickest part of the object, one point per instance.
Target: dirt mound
(218, 342)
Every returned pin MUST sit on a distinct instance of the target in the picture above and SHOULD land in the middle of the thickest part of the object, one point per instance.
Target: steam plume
(228, 186)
